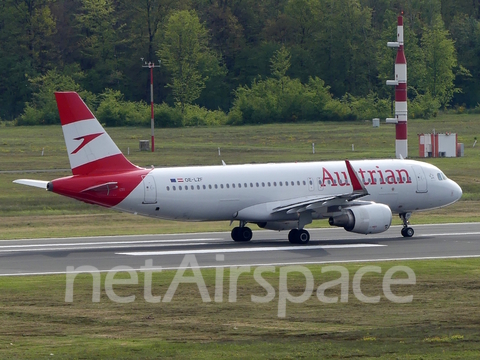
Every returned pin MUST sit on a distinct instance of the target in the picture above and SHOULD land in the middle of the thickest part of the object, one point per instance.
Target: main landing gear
(298, 236)
(407, 231)
(241, 233)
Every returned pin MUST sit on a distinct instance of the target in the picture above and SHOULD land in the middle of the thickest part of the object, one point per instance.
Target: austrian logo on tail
(85, 140)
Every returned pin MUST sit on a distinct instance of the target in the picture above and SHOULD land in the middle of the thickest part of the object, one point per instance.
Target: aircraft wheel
(235, 234)
(245, 234)
(407, 232)
(241, 234)
(293, 236)
(303, 236)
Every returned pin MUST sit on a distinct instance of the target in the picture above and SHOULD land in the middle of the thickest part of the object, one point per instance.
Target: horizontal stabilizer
(35, 183)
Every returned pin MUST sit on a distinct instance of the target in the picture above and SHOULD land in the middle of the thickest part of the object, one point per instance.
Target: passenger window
(168, 188)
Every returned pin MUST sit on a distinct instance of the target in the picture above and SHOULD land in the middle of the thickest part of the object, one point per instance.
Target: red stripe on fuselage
(75, 186)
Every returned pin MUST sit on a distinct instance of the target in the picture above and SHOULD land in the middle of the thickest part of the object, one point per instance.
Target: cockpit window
(441, 176)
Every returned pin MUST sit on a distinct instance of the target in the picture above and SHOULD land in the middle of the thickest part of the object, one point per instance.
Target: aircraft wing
(313, 203)
(35, 183)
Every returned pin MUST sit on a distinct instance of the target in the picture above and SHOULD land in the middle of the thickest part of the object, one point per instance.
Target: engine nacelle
(364, 219)
(278, 225)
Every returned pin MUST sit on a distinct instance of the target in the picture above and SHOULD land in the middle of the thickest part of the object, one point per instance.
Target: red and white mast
(400, 83)
(151, 66)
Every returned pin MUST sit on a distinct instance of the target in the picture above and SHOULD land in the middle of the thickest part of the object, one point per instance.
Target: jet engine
(364, 219)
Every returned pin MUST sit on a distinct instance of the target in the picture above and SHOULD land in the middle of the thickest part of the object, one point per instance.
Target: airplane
(359, 196)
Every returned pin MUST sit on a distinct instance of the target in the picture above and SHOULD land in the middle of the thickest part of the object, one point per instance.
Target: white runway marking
(451, 234)
(102, 245)
(249, 249)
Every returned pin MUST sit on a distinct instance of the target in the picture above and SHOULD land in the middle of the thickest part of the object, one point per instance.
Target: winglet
(358, 186)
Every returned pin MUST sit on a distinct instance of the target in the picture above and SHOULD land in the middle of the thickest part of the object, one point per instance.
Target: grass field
(29, 212)
(442, 321)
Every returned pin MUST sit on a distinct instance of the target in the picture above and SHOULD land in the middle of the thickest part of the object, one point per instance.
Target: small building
(439, 145)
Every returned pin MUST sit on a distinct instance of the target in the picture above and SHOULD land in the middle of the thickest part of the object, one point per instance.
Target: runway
(331, 245)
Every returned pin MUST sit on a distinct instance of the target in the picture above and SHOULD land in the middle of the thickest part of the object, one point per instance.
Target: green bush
(476, 110)
(166, 116)
(423, 106)
(368, 107)
(195, 115)
(114, 111)
(285, 100)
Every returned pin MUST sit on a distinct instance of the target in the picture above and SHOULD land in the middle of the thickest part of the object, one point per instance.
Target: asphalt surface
(332, 245)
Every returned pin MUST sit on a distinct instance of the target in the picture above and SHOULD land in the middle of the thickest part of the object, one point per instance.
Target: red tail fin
(90, 149)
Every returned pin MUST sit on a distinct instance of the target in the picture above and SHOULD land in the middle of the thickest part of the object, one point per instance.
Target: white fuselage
(232, 192)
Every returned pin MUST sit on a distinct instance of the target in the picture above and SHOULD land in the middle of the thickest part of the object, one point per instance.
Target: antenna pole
(151, 66)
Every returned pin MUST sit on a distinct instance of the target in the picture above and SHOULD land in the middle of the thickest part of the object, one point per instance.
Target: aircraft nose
(456, 191)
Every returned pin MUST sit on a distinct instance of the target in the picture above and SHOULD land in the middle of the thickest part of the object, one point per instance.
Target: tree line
(235, 61)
